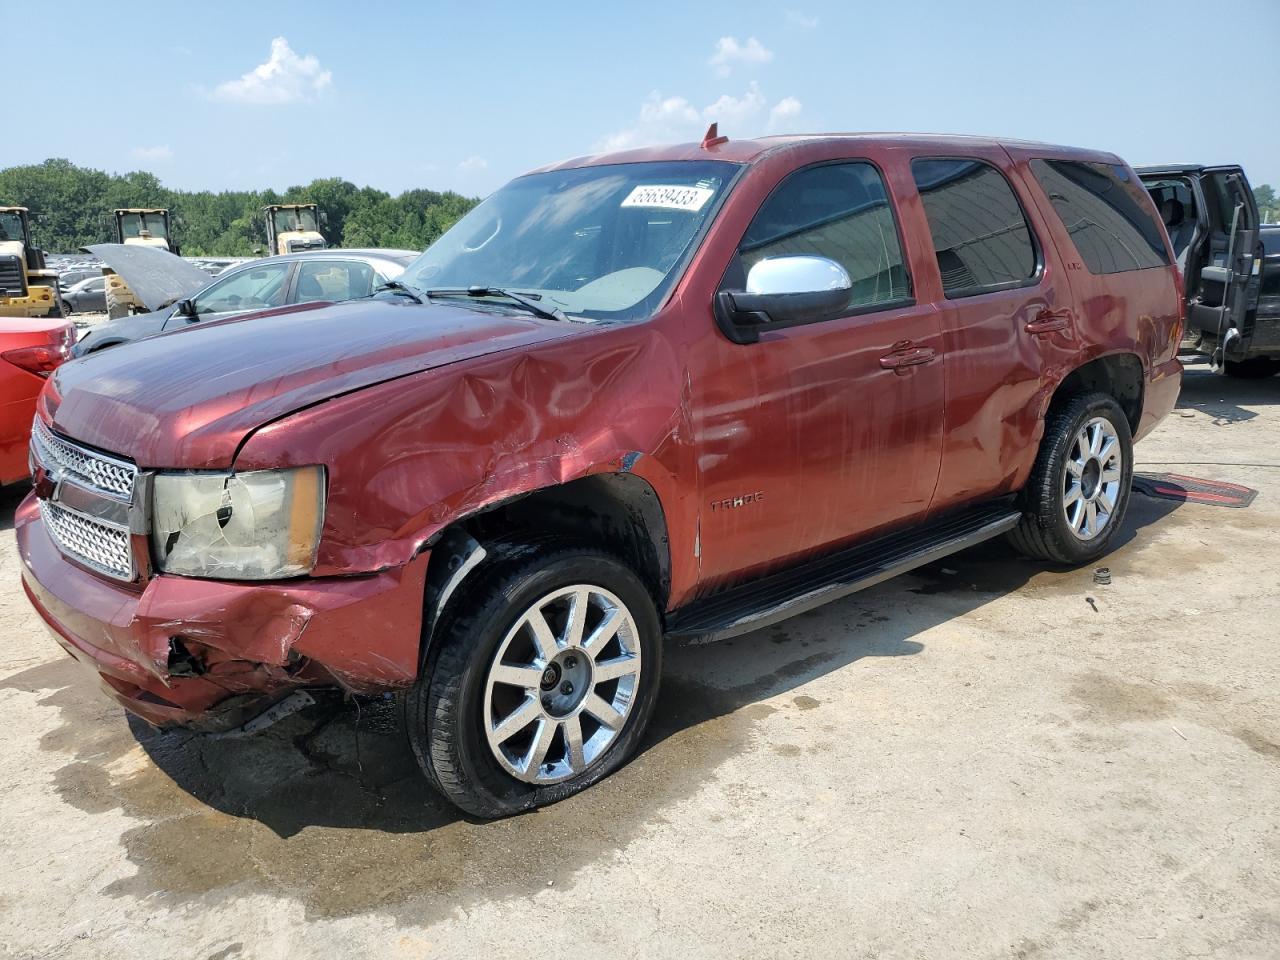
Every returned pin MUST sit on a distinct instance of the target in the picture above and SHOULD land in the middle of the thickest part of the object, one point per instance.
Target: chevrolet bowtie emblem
(48, 483)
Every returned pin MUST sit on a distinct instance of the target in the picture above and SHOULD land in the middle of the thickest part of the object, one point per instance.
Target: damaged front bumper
(213, 654)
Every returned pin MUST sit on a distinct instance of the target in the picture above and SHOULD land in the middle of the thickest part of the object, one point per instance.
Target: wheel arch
(1119, 375)
(620, 511)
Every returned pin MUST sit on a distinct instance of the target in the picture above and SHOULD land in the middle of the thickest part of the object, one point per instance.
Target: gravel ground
(987, 758)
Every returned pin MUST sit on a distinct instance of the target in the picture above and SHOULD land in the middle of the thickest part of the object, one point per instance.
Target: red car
(676, 392)
(30, 350)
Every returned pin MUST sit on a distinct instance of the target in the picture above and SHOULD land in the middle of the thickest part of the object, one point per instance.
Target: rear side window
(980, 234)
(840, 211)
(333, 280)
(1107, 212)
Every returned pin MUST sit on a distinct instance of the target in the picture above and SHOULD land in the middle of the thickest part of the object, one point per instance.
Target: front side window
(1107, 212)
(255, 288)
(980, 235)
(603, 242)
(839, 211)
(333, 280)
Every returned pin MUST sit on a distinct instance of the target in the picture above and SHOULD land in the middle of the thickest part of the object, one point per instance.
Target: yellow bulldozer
(27, 287)
(292, 227)
(147, 227)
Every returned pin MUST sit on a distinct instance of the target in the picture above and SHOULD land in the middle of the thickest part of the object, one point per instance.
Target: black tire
(1253, 368)
(445, 710)
(1044, 532)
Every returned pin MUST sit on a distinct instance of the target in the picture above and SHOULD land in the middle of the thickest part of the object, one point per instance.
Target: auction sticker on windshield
(668, 197)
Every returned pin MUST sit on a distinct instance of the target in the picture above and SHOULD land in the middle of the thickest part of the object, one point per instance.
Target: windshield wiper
(527, 300)
(404, 289)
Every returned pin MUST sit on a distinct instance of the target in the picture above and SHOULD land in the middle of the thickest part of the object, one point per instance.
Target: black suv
(1216, 234)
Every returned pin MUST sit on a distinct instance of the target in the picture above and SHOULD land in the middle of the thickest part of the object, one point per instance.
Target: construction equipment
(136, 226)
(292, 227)
(27, 287)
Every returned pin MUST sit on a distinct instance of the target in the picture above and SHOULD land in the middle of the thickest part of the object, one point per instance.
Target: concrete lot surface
(986, 759)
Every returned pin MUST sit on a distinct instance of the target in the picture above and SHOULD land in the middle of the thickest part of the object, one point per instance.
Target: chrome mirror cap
(797, 274)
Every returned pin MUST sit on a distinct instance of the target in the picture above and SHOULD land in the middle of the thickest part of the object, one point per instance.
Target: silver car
(310, 276)
(87, 296)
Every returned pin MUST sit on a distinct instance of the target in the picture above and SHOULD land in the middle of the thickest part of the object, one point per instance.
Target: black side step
(773, 598)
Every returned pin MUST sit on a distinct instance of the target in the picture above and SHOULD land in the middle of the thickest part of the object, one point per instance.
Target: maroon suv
(676, 392)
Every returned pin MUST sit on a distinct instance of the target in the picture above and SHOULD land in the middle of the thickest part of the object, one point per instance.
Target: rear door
(332, 281)
(1006, 320)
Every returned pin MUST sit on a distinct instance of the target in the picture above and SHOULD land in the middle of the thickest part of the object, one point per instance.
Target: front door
(257, 286)
(820, 432)
(1236, 264)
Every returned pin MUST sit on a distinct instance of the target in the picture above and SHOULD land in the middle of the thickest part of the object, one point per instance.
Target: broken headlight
(260, 525)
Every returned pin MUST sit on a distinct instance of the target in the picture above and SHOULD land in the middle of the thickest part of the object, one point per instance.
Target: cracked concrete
(972, 761)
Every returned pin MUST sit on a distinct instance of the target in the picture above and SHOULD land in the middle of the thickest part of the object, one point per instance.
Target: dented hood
(188, 399)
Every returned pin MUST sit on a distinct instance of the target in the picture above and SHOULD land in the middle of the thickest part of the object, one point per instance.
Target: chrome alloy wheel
(1091, 484)
(562, 684)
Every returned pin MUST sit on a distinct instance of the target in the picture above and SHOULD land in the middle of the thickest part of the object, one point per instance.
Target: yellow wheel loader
(27, 287)
(292, 227)
(143, 227)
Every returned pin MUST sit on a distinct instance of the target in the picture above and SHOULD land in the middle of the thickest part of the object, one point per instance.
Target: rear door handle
(909, 357)
(1048, 321)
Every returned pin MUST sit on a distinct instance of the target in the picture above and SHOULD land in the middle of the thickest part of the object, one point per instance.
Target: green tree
(1268, 203)
(71, 207)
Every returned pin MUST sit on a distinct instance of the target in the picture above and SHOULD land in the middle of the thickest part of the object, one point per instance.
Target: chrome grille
(103, 546)
(98, 471)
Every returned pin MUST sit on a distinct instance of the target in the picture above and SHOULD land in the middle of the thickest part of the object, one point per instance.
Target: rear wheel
(1078, 492)
(1254, 368)
(542, 680)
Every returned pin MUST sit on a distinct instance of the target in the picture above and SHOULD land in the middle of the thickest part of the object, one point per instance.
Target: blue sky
(465, 96)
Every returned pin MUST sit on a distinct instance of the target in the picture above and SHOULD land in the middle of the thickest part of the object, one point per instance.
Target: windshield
(292, 219)
(10, 226)
(601, 242)
(142, 225)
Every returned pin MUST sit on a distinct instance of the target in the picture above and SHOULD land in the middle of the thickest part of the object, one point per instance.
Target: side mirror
(185, 308)
(783, 290)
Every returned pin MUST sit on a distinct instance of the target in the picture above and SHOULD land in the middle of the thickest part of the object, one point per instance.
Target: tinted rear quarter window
(839, 211)
(980, 234)
(1106, 210)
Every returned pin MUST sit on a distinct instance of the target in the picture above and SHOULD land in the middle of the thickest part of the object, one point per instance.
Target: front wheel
(1078, 492)
(542, 680)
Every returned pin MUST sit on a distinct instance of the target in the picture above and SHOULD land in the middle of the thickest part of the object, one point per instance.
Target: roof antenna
(712, 137)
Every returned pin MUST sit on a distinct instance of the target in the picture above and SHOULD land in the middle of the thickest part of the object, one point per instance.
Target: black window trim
(1037, 276)
(908, 301)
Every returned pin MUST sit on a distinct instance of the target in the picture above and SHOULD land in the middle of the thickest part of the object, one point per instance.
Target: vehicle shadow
(1224, 398)
(348, 765)
(10, 498)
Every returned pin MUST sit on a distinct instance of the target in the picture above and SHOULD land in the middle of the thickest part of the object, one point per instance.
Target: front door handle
(908, 357)
(1048, 321)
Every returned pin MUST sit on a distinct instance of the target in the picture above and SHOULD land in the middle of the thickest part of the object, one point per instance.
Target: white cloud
(156, 154)
(784, 109)
(736, 113)
(802, 20)
(472, 164)
(284, 78)
(675, 119)
(661, 119)
(730, 51)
